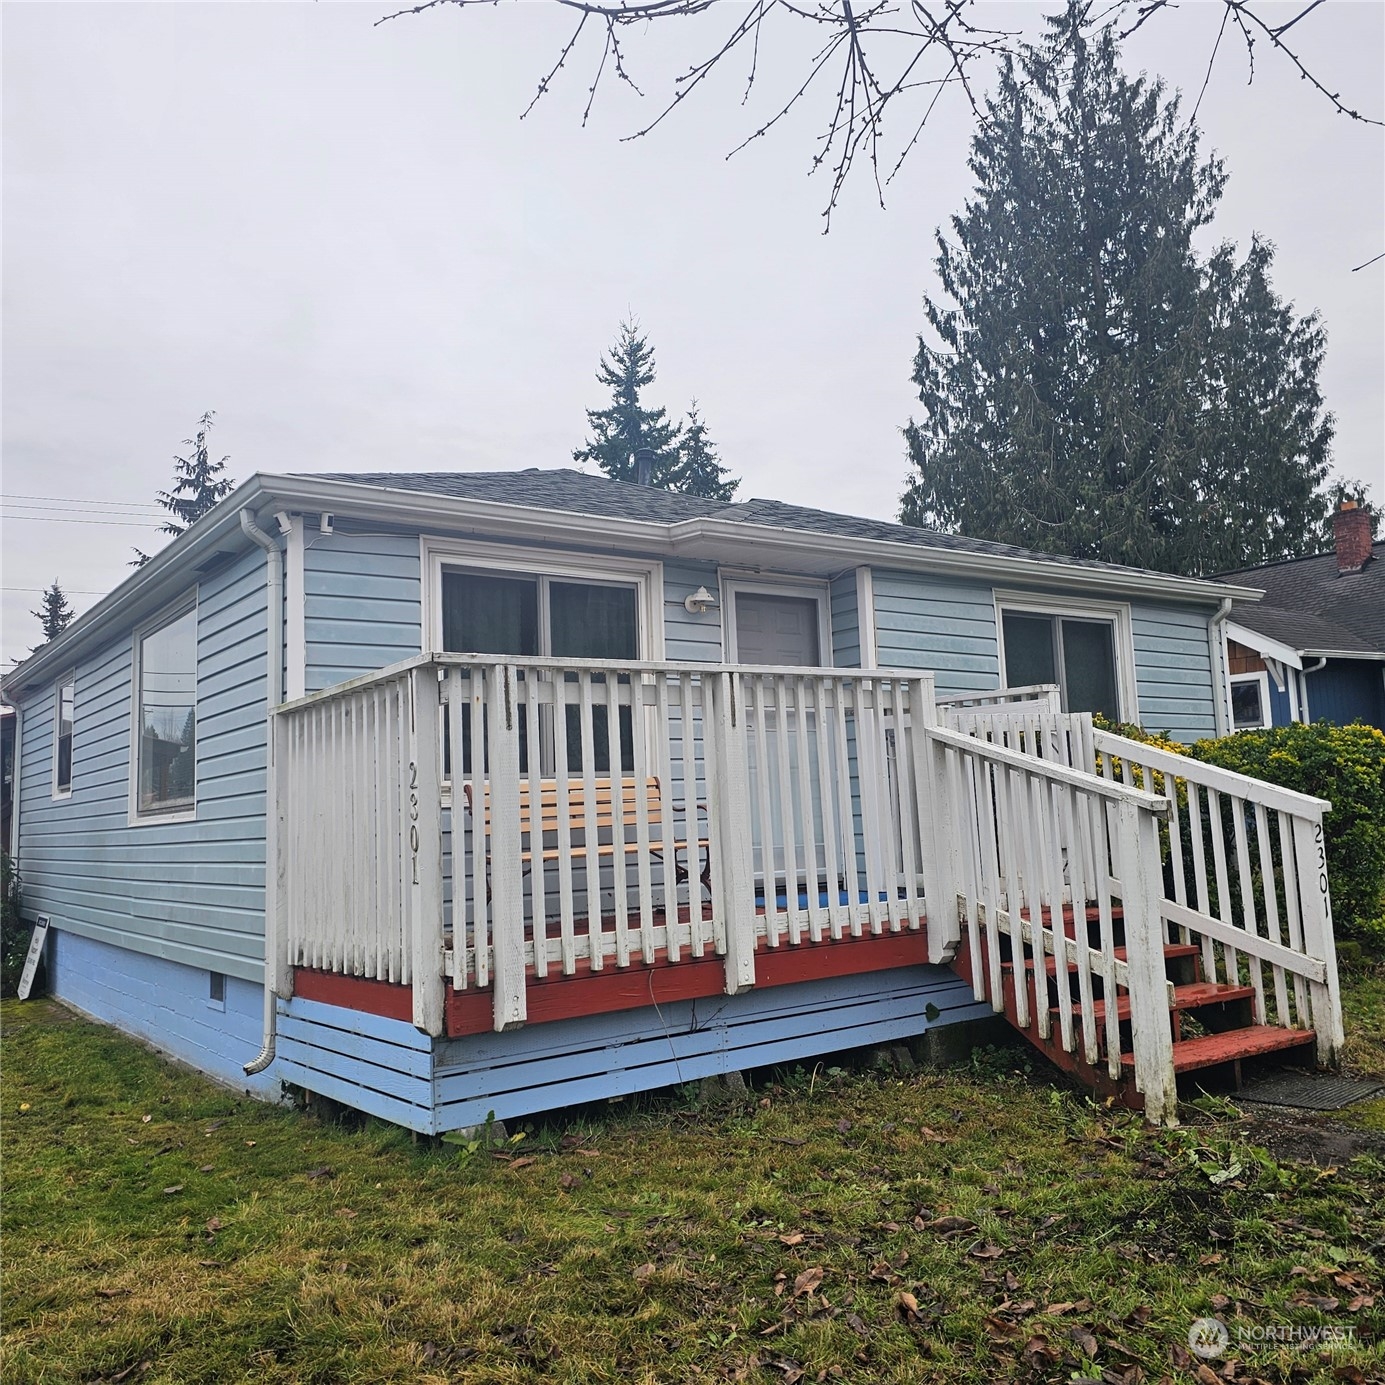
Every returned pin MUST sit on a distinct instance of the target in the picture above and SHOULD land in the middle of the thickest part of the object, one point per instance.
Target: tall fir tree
(198, 485)
(683, 463)
(53, 613)
(700, 471)
(1098, 390)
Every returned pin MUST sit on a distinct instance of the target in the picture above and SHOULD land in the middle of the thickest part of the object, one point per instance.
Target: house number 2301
(413, 817)
(1322, 860)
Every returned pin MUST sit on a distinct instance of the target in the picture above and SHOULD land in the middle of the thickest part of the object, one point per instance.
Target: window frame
(1262, 677)
(1116, 613)
(68, 680)
(501, 560)
(147, 817)
(733, 583)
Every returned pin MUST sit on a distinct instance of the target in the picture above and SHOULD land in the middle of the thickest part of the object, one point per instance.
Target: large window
(554, 616)
(64, 700)
(1078, 652)
(166, 717)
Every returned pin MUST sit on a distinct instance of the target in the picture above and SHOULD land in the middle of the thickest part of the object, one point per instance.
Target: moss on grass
(940, 1228)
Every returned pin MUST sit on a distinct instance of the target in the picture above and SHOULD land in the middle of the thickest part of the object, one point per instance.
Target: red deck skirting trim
(630, 988)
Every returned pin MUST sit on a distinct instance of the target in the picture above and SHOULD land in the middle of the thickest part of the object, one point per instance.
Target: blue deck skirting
(388, 1069)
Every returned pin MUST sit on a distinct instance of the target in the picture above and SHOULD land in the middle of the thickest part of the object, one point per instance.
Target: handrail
(998, 697)
(1212, 776)
(1031, 764)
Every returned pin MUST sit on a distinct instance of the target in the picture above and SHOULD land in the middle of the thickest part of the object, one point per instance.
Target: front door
(778, 630)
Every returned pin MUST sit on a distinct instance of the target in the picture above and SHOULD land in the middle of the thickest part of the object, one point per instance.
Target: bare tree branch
(876, 54)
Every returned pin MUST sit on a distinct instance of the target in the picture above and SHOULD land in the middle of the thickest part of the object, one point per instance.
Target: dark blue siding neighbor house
(1314, 648)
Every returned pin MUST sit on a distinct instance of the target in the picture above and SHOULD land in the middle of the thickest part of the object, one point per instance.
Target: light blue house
(570, 788)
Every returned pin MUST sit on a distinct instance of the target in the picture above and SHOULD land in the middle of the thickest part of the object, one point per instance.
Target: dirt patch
(1309, 1136)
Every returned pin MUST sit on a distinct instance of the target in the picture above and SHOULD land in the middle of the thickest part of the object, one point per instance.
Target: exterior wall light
(700, 602)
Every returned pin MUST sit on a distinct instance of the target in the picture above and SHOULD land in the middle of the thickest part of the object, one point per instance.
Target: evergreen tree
(625, 426)
(700, 471)
(198, 484)
(1099, 390)
(683, 461)
(54, 614)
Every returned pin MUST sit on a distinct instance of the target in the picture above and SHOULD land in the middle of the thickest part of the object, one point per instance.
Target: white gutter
(274, 606)
(1216, 638)
(716, 539)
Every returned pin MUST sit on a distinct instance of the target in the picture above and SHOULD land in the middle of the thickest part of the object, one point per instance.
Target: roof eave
(147, 587)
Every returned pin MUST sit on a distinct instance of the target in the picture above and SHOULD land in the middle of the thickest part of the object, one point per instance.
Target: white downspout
(274, 581)
(1221, 664)
(1304, 713)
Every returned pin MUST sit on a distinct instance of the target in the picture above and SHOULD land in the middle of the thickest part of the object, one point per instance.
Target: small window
(1078, 654)
(1250, 701)
(63, 704)
(216, 989)
(166, 717)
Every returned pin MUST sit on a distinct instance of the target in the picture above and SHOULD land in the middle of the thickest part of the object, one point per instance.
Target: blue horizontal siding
(846, 621)
(362, 604)
(191, 892)
(946, 624)
(1173, 670)
(688, 637)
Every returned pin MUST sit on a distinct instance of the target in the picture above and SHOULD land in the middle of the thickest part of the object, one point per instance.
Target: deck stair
(1203, 939)
(1222, 1034)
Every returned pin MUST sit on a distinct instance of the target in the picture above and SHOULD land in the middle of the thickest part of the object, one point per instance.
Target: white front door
(778, 630)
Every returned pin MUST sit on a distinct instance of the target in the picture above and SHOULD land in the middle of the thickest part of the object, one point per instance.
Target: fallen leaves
(807, 1282)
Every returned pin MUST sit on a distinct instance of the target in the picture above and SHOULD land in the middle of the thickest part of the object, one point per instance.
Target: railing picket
(846, 805)
(538, 869)
(1291, 913)
(783, 753)
(759, 712)
(1216, 830)
(1269, 894)
(1248, 911)
(461, 827)
(663, 842)
(799, 684)
(591, 836)
(908, 793)
(827, 783)
(480, 823)
(567, 932)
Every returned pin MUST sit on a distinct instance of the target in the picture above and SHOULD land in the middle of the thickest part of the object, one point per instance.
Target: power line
(118, 523)
(80, 500)
(67, 591)
(109, 513)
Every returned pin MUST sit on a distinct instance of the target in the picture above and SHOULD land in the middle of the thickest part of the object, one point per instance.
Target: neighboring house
(571, 788)
(1314, 648)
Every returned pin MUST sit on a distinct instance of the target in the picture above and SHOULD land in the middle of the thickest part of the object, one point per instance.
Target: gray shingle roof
(563, 488)
(1310, 605)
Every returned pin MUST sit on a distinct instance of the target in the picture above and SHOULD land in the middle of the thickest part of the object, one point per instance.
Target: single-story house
(1313, 649)
(448, 794)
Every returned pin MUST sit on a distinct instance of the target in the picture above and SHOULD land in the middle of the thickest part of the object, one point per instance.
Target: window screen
(1079, 655)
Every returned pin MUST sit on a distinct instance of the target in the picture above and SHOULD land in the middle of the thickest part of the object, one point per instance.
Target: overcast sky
(343, 239)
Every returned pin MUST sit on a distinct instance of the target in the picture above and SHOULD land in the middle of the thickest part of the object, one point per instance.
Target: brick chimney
(1351, 535)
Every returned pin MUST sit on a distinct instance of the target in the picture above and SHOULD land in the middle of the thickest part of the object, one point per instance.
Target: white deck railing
(472, 821)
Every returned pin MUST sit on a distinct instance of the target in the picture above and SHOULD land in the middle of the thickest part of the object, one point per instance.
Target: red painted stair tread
(1211, 1049)
(1190, 997)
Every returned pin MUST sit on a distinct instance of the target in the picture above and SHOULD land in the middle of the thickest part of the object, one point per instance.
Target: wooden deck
(612, 989)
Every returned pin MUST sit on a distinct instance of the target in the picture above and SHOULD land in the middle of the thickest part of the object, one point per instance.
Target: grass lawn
(954, 1227)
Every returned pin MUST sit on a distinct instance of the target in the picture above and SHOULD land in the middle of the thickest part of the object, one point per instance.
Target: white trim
(644, 574)
(865, 617)
(733, 582)
(16, 797)
(1116, 612)
(1265, 647)
(295, 625)
(1293, 679)
(67, 680)
(1261, 677)
(148, 818)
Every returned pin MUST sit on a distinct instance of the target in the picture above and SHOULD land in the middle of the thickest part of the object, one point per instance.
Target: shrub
(1345, 764)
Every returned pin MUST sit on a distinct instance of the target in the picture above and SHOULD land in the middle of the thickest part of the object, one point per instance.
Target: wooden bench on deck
(615, 812)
